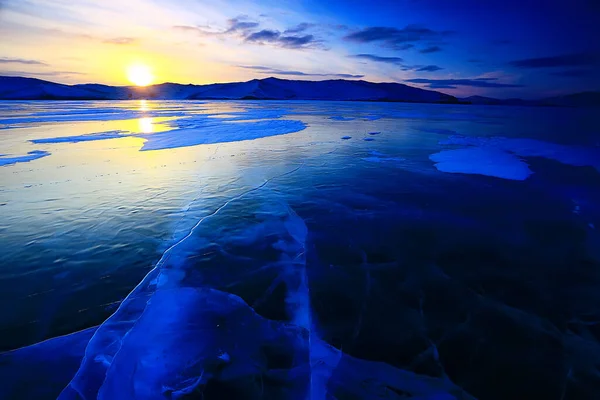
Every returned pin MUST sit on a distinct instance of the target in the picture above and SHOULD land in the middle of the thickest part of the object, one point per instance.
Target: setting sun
(140, 75)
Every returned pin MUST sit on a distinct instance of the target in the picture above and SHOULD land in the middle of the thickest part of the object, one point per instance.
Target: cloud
(265, 35)
(397, 61)
(237, 24)
(421, 68)
(453, 83)
(574, 73)
(246, 30)
(188, 28)
(274, 71)
(565, 60)
(429, 68)
(430, 49)
(275, 37)
(381, 59)
(40, 74)
(9, 60)
(120, 40)
(296, 41)
(299, 28)
(394, 37)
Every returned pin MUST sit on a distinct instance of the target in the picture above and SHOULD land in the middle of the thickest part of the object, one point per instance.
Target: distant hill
(584, 99)
(574, 100)
(480, 100)
(16, 88)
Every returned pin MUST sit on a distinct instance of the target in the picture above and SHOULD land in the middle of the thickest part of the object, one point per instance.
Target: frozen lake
(293, 250)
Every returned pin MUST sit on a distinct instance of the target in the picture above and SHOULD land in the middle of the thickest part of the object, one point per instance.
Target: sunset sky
(495, 48)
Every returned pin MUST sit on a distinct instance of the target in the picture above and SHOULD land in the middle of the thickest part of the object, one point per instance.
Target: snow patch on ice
(482, 161)
(32, 155)
(220, 133)
(499, 156)
(571, 155)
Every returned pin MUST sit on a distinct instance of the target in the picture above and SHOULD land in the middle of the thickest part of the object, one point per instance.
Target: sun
(139, 74)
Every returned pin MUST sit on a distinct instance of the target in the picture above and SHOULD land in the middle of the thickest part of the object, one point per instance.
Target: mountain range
(19, 88)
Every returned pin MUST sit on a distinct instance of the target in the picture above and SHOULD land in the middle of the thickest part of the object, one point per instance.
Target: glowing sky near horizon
(464, 47)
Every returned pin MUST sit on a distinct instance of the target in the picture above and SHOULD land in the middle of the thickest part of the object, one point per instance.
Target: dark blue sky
(548, 47)
(495, 48)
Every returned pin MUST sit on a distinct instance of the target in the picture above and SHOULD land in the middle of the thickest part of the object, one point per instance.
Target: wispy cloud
(40, 74)
(274, 71)
(189, 28)
(9, 60)
(265, 35)
(381, 59)
(120, 40)
(564, 60)
(453, 83)
(238, 24)
(428, 68)
(430, 49)
(299, 28)
(275, 37)
(574, 73)
(397, 61)
(247, 30)
(396, 38)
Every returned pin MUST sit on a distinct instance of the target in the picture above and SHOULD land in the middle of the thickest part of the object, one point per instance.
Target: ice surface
(32, 155)
(341, 118)
(221, 133)
(197, 129)
(83, 138)
(284, 256)
(42, 370)
(482, 161)
(379, 157)
(116, 114)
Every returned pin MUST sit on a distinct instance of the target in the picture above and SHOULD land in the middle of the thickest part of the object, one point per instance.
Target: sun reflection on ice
(144, 106)
(145, 125)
